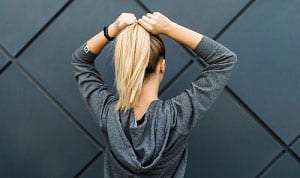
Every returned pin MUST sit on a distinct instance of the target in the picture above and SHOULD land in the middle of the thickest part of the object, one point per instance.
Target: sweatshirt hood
(138, 147)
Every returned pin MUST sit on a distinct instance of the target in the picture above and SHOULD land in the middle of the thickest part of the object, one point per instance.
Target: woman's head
(137, 55)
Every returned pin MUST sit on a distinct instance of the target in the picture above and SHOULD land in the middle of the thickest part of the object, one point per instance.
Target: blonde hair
(136, 55)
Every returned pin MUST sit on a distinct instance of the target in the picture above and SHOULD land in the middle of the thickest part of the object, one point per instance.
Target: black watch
(105, 30)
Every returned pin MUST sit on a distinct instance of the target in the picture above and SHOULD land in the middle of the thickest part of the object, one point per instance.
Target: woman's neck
(149, 92)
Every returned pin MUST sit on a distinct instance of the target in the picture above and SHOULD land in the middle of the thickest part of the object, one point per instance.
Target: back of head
(136, 56)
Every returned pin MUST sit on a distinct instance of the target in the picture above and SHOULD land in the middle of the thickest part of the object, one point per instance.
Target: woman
(146, 136)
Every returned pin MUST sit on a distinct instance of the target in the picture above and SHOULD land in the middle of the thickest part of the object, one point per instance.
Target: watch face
(86, 49)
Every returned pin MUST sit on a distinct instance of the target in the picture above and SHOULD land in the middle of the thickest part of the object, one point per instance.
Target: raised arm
(157, 23)
(192, 104)
(91, 86)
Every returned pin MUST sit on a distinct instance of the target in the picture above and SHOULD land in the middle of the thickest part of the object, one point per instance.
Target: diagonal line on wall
(220, 33)
(12, 61)
(148, 10)
(294, 140)
(143, 6)
(271, 164)
(81, 171)
(255, 116)
(286, 148)
(43, 28)
(176, 76)
(2, 69)
(57, 103)
(201, 62)
(8, 56)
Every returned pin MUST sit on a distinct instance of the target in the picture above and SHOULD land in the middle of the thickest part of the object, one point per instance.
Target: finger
(127, 15)
(144, 24)
(156, 13)
(132, 17)
(149, 15)
(148, 20)
(132, 20)
(129, 19)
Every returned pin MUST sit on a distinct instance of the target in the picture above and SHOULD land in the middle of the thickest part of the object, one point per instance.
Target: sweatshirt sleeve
(91, 86)
(192, 104)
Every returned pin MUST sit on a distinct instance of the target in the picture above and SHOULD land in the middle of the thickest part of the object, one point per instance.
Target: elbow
(74, 58)
(232, 57)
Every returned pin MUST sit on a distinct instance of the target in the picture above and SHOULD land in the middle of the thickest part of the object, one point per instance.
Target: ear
(162, 64)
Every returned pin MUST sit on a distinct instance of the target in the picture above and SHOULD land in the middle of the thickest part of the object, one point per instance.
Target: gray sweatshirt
(159, 146)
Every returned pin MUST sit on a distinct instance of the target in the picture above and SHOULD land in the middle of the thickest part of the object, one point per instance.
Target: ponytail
(133, 50)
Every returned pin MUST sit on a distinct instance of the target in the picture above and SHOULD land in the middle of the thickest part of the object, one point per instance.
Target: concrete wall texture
(252, 130)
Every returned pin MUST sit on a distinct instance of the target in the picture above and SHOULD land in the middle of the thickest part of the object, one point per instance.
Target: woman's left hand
(124, 20)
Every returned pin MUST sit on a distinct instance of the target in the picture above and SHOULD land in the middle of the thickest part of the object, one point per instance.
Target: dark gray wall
(252, 130)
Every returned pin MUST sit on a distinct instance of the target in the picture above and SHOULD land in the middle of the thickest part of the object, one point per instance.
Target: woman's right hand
(156, 23)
